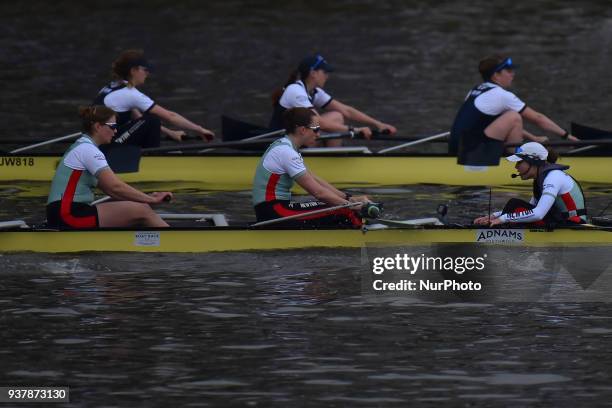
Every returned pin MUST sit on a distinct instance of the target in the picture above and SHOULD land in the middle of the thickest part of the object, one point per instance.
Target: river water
(292, 328)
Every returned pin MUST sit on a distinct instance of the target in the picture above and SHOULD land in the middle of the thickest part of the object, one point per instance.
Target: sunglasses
(507, 63)
(315, 129)
(112, 125)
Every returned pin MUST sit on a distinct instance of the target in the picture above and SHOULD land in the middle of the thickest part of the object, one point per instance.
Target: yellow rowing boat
(235, 172)
(210, 239)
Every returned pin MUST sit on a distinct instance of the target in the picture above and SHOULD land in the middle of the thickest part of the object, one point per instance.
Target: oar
(196, 146)
(306, 214)
(415, 142)
(599, 142)
(587, 133)
(47, 142)
(249, 139)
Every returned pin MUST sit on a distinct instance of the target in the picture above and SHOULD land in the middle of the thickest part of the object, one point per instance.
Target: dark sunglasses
(112, 125)
(315, 129)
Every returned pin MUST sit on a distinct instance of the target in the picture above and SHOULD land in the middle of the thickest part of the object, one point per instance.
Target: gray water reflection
(282, 328)
(27, 201)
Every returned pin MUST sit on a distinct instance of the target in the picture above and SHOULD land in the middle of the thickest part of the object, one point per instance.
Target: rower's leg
(127, 214)
(336, 117)
(508, 128)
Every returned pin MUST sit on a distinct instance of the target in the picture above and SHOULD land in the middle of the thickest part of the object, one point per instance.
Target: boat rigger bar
(13, 224)
(218, 220)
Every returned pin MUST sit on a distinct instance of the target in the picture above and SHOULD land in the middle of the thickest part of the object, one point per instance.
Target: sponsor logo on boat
(17, 161)
(146, 238)
(500, 235)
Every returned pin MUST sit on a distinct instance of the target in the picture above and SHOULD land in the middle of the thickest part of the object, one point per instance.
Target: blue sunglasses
(318, 62)
(505, 64)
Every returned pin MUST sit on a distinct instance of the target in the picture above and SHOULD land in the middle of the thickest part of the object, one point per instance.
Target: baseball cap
(315, 62)
(530, 151)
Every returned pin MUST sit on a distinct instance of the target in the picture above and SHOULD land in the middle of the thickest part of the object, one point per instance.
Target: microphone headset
(533, 161)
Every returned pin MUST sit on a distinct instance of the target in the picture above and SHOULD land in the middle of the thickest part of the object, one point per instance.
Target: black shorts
(477, 149)
(80, 216)
(343, 217)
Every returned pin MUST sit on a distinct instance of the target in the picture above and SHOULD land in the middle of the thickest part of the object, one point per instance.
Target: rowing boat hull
(237, 239)
(234, 173)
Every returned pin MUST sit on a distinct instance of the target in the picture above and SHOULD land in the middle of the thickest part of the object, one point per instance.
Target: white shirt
(86, 156)
(295, 96)
(128, 98)
(556, 183)
(497, 101)
(283, 159)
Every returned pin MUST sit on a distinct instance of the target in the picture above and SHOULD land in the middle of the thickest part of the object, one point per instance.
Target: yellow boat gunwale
(225, 172)
(215, 239)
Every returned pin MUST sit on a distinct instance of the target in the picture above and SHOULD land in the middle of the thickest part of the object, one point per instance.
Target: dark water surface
(291, 328)
(286, 328)
(409, 63)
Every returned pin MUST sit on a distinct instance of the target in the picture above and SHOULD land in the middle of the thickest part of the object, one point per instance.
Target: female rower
(304, 88)
(282, 164)
(82, 168)
(138, 116)
(557, 197)
(491, 115)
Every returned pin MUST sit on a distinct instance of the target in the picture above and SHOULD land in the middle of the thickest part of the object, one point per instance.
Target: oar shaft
(415, 142)
(306, 214)
(248, 139)
(589, 142)
(580, 149)
(47, 142)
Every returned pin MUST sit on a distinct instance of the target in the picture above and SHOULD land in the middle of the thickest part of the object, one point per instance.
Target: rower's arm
(544, 122)
(319, 191)
(339, 193)
(356, 115)
(181, 122)
(537, 214)
(119, 190)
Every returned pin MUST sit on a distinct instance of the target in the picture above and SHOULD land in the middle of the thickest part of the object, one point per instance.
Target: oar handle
(306, 214)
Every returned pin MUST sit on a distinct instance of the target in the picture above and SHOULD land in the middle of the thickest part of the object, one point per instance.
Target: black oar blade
(234, 130)
(590, 133)
(122, 158)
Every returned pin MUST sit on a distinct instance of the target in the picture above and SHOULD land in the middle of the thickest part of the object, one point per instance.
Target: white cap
(532, 150)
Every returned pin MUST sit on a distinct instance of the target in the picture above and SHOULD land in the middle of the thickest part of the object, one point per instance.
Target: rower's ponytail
(553, 156)
(94, 114)
(278, 92)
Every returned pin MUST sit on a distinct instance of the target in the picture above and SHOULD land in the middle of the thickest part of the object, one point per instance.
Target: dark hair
(487, 66)
(553, 156)
(296, 117)
(293, 76)
(94, 114)
(125, 62)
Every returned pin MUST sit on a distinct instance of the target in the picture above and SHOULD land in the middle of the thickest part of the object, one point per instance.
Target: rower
(282, 164)
(557, 197)
(304, 88)
(138, 115)
(491, 115)
(84, 166)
